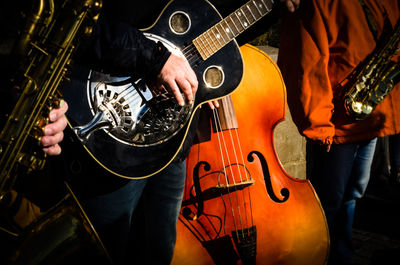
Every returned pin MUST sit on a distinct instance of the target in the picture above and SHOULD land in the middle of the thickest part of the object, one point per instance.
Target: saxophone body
(372, 80)
(44, 52)
(63, 234)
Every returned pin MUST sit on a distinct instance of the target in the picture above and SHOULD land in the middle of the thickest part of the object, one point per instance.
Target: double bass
(239, 205)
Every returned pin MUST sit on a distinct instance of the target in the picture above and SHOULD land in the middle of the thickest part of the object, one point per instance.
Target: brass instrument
(62, 236)
(372, 80)
(44, 49)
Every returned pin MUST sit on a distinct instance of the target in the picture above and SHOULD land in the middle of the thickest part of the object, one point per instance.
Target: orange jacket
(321, 44)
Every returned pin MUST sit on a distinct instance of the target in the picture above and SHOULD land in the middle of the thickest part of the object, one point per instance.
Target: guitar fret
(266, 7)
(255, 10)
(213, 42)
(249, 16)
(222, 35)
(238, 31)
(251, 12)
(209, 45)
(228, 30)
(200, 48)
(217, 36)
(247, 22)
(259, 11)
(203, 45)
(237, 16)
(261, 5)
(208, 53)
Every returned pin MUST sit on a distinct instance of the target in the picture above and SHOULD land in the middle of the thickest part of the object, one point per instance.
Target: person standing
(321, 44)
(118, 47)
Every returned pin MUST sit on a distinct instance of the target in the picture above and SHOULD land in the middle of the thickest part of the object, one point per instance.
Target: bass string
(246, 173)
(239, 167)
(217, 124)
(223, 148)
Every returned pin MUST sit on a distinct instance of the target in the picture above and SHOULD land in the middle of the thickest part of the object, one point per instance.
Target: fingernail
(52, 116)
(61, 103)
(47, 131)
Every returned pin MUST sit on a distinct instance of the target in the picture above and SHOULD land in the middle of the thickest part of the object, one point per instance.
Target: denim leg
(394, 150)
(162, 201)
(360, 174)
(339, 177)
(111, 216)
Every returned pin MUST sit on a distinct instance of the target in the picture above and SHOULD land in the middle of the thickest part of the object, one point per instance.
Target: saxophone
(372, 80)
(44, 51)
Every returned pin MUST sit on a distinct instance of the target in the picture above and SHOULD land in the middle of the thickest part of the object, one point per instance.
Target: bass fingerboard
(227, 29)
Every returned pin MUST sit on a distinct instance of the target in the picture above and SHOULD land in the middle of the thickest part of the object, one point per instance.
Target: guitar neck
(230, 27)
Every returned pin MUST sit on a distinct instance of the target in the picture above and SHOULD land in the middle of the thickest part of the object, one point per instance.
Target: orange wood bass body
(240, 206)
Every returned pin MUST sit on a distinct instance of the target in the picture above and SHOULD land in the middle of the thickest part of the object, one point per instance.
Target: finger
(296, 3)
(213, 104)
(290, 6)
(192, 79)
(177, 93)
(328, 148)
(52, 150)
(58, 112)
(51, 139)
(186, 89)
(55, 127)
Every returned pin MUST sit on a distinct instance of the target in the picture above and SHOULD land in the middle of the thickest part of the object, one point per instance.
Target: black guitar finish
(131, 161)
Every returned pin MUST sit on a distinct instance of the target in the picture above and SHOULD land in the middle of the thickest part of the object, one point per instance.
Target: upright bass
(239, 205)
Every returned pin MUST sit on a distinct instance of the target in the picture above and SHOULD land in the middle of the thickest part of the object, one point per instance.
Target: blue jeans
(339, 177)
(111, 215)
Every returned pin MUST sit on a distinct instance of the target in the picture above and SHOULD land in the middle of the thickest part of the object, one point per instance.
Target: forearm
(304, 58)
(119, 49)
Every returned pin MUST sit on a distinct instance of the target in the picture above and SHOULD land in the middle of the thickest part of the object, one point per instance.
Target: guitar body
(266, 217)
(123, 156)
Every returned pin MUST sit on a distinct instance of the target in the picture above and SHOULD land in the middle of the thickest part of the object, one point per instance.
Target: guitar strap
(387, 28)
(372, 23)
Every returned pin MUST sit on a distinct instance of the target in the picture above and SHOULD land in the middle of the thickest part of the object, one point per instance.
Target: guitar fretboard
(227, 29)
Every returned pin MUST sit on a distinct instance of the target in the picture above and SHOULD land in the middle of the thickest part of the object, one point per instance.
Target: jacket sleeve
(303, 59)
(119, 49)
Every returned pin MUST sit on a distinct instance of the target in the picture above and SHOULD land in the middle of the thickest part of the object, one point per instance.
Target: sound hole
(179, 22)
(214, 76)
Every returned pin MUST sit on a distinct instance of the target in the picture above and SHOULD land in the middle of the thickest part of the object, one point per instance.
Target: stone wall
(289, 144)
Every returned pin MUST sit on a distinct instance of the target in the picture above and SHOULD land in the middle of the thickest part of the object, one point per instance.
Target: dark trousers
(340, 177)
(111, 215)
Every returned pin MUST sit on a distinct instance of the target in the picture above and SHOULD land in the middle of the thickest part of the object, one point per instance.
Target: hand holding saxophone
(53, 131)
